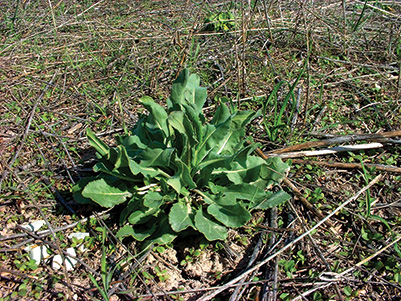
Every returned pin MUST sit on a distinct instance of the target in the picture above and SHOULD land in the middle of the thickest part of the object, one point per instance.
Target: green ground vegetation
(313, 69)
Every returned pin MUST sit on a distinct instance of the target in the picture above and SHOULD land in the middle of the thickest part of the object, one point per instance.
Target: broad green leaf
(186, 89)
(230, 215)
(164, 234)
(183, 148)
(242, 191)
(132, 205)
(180, 122)
(239, 173)
(184, 135)
(272, 200)
(242, 118)
(110, 159)
(195, 94)
(153, 199)
(241, 156)
(196, 119)
(216, 189)
(211, 229)
(96, 143)
(202, 173)
(237, 131)
(122, 160)
(176, 120)
(133, 144)
(146, 171)
(207, 197)
(138, 233)
(221, 115)
(184, 174)
(213, 136)
(181, 217)
(245, 191)
(177, 91)
(274, 170)
(157, 115)
(214, 161)
(100, 167)
(140, 130)
(142, 215)
(105, 194)
(156, 157)
(78, 188)
(175, 183)
(121, 165)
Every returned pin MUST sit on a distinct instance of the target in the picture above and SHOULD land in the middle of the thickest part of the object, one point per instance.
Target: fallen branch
(382, 167)
(337, 140)
(327, 151)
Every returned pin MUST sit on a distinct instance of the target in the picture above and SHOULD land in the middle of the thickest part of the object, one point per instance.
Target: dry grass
(67, 66)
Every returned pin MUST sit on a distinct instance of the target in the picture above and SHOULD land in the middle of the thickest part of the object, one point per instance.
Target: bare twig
(16, 273)
(337, 140)
(382, 167)
(191, 291)
(56, 244)
(327, 151)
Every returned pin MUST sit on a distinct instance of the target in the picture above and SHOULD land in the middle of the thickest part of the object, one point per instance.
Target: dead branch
(327, 151)
(381, 167)
(337, 140)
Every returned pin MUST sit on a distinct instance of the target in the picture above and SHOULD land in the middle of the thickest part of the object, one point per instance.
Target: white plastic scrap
(79, 236)
(34, 226)
(69, 261)
(37, 253)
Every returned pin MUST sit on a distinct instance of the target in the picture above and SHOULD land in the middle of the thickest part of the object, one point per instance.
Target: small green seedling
(224, 21)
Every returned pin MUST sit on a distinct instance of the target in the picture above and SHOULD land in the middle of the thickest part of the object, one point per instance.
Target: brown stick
(304, 201)
(336, 140)
(328, 151)
(388, 168)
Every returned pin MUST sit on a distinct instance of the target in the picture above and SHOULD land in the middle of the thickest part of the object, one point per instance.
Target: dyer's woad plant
(176, 172)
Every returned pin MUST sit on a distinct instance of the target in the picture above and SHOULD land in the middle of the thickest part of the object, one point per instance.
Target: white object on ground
(79, 236)
(34, 226)
(37, 253)
(69, 261)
